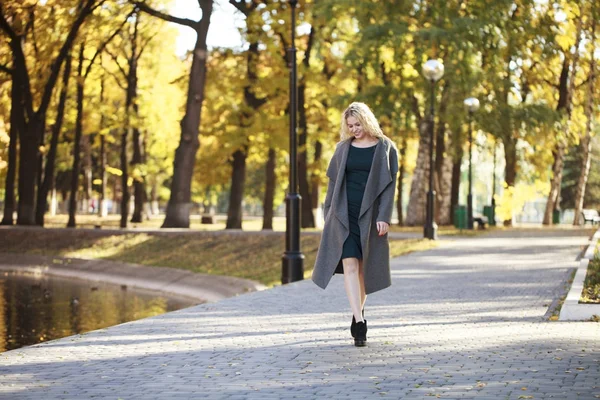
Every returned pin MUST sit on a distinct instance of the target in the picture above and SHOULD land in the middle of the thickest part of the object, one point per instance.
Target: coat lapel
(341, 207)
(379, 177)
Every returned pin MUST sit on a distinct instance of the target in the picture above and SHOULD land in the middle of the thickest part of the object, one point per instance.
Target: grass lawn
(443, 230)
(591, 285)
(248, 224)
(113, 220)
(242, 254)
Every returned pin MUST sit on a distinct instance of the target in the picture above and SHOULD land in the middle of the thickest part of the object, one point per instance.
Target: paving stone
(466, 320)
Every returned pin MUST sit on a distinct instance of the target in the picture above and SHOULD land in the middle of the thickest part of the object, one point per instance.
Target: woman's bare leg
(352, 285)
(361, 280)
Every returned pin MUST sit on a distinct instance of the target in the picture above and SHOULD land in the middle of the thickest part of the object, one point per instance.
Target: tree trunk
(16, 124)
(131, 107)
(139, 185)
(510, 171)
(115, 199)
(53, 200)
(124, 178)
(306, 213)
(102, 212)
(36, 120)
(557, 165)
(454, 195)
(444, 188)
(307, 218)
(401, 173)
(553, 196)
(456, 164)
(28, 171)
(76, 143)
(180, 204)
(315, 181)
(586, 140)
(442, 167)
(268, 202)
(154, 198)
(566, 88)
(40, 171)
(86, 147)
(415, 211)
(586, 150)
(48, 183)
(238, 177)
(139, 190)
(236, 194)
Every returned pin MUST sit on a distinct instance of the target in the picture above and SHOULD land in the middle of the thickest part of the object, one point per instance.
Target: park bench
(591, 215)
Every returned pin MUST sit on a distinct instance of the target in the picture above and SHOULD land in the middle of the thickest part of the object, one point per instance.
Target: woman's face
(355, 128)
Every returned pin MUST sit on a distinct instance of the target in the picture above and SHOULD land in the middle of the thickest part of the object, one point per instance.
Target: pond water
(38, 308)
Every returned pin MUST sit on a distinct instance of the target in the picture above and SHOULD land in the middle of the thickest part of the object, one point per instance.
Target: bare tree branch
(583, 83)
(309, 45)
(283, 50)
(552, 84)
(415, 107)
(98, 5)
(31, 25)
(116, 60)
(179, 79)
(117, 80)
(244, 7)
(105, 43)
(6, 69)
(5, 26)
(181, 21)
(83, 13)
(144, 44)
(19, 60)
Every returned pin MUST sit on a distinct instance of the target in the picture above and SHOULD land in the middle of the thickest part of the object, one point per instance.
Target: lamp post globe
(471, 105)
(433, 70)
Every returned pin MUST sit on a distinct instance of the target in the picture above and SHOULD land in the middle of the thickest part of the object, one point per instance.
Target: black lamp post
(293, 260)
(433, 70)
(472, 105)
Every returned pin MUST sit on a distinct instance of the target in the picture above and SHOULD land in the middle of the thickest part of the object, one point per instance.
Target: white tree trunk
(415, 211)
(443, 188)
(53, 202)
(102, 208)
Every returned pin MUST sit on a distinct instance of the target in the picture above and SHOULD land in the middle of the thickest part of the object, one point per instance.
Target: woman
(358, 209)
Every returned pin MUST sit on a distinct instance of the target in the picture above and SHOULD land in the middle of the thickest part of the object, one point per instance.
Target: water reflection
(36, 309)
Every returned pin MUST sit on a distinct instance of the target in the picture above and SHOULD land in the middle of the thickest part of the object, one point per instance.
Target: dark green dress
(358, 166)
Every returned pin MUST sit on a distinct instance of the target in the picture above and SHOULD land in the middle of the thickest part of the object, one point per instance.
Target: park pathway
(466, 320)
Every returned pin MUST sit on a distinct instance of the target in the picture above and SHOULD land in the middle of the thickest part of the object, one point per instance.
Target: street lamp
(293, 260)
(472, 105)
(433, 70)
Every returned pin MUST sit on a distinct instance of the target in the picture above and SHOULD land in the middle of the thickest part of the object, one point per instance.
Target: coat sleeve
(327, 204)
(332, 175)
(386, 199)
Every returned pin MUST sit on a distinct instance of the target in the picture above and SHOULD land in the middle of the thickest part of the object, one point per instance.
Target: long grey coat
(377, 204)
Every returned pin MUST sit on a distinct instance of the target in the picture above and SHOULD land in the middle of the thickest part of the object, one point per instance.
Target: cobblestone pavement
(466, 320)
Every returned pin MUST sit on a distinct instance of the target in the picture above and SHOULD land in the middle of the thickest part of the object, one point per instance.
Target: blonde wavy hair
(367, 120)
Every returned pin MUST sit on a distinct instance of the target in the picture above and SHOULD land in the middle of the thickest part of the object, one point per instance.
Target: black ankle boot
(360, 339)
(353, 326)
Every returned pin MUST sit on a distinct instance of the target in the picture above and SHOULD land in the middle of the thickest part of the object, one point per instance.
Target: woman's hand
(382, 228)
